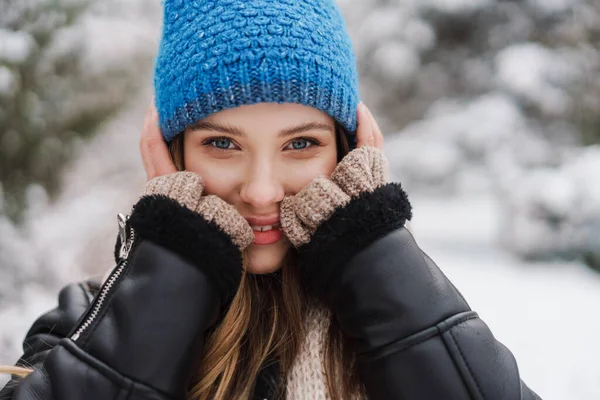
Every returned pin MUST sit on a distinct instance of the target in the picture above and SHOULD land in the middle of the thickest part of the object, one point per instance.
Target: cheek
(300, 173)
(220, 177)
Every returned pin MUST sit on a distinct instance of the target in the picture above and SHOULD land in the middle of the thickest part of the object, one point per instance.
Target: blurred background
(491, 110)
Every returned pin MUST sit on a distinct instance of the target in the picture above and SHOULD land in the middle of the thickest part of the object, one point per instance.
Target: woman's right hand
(155, 152)
(185, 187)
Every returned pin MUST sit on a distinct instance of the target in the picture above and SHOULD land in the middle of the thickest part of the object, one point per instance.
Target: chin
(266, 259)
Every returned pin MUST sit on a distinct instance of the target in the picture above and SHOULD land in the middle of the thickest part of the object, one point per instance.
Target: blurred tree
(60, 79)
(543, 54)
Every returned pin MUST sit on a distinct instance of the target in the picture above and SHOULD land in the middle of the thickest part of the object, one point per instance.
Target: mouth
(267, 230)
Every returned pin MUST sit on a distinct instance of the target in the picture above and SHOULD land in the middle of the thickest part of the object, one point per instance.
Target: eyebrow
(307, 127)
(211, 126)
(234, 131)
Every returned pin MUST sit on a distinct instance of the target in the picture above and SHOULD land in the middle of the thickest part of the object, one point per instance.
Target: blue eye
(221, 143)
(300, 144)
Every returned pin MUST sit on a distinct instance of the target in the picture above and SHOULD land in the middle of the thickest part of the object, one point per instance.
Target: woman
(267, 256)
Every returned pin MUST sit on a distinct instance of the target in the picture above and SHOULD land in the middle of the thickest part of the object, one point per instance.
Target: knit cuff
(362, 170)
(349, 230)
(302, 214)
(226, 217)
(186, 188)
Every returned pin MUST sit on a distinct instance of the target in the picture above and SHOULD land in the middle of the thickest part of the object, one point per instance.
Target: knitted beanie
(220, 54)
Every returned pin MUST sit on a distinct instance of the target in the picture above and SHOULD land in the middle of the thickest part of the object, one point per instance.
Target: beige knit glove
(362, 170)
(186, 188)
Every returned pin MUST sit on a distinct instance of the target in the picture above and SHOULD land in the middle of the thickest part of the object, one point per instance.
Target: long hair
(264, 323)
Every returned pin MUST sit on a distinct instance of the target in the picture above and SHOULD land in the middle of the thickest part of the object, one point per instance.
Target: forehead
(270, 115)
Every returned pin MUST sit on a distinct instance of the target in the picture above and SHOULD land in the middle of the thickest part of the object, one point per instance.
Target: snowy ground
(542, 312)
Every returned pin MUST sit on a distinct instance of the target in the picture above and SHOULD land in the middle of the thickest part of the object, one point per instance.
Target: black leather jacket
(136, 337)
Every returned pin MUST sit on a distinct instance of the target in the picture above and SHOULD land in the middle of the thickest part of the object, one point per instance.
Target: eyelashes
(303, 143)
(224, 143)
(219, 143)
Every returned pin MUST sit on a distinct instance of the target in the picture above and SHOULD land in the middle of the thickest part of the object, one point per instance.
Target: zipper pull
(125, 245)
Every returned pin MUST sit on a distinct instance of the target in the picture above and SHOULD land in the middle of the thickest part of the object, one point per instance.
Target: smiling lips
(267, 230)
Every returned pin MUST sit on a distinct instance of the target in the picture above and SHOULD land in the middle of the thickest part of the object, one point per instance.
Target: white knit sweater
(306, 380)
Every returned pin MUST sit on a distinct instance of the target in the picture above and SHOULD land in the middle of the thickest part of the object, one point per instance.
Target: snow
(102, 55)
(550, 195)
(8, 82)
(377, 27)
(536, 74)
(420, 34)
(455, 6)
(555, 211)
(97, 187)
(397, 62)
(437, 166)
(15, 47)
(551, 7)
(488, 134)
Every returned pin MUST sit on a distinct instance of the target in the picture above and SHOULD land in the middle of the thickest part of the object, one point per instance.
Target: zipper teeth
(104, 292)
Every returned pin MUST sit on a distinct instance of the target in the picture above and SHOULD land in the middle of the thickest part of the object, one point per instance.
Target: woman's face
(254, 155)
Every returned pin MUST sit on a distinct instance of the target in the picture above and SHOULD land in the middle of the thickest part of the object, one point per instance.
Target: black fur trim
(164, 221)
(349, 230)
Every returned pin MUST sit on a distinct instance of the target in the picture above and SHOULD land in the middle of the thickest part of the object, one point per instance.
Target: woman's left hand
(368, 132)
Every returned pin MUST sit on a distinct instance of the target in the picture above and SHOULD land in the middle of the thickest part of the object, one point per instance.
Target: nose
(262, 188)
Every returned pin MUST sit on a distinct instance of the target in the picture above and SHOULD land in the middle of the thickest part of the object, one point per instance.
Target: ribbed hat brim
(307, 82)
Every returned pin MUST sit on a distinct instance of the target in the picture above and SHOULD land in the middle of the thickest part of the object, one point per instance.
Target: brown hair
(263, 322)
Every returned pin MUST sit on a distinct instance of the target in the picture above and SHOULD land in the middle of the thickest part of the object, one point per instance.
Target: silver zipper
(126, 246)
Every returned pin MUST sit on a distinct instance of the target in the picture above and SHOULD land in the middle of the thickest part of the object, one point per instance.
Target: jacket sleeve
(416, 336)
(142, 334)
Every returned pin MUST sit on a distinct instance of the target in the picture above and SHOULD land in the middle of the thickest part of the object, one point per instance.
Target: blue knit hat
(220, 54)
